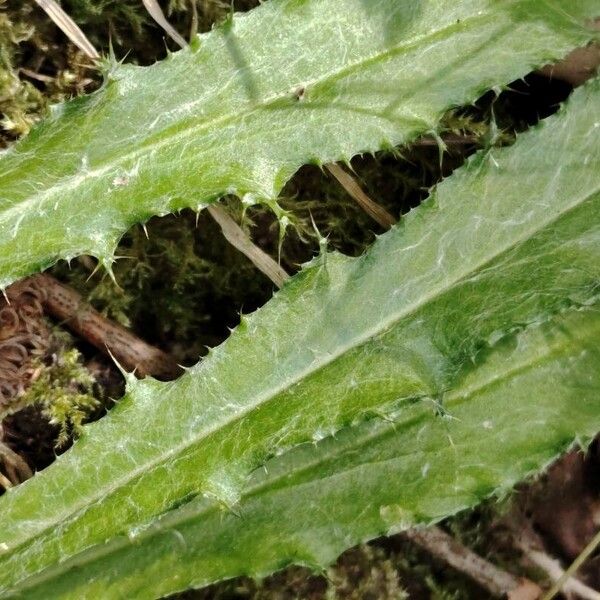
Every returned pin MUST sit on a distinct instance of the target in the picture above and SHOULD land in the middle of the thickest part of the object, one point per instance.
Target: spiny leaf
(377, 478)
(293, 81)
(508, 240)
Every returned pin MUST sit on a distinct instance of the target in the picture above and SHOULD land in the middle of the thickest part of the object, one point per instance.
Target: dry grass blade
(5, 482)
(157, 14)
(567, 576)
(235, 235)
(374, 210)
(529, 544)
(68, 27)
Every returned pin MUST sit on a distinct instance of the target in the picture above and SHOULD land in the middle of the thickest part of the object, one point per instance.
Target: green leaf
(373, 479)
(292, 82)
(507, 241)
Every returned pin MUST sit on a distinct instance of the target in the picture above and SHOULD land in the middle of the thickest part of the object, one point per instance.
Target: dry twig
(66, 305)
(496, 581)
(578, 67)
(528, 543)
(566, 578)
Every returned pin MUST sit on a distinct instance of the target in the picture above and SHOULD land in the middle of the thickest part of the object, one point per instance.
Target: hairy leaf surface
(293, 81)
(507, 241)
(372, 479)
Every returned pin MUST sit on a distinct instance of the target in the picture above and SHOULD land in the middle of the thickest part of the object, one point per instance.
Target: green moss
(132, 31)
(63, 390)
(20, 101)
(365, 572)
(38, 67)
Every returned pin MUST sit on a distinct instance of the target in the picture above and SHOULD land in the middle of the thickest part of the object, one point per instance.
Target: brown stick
(496, 581)
(66, 305)
(374, 210)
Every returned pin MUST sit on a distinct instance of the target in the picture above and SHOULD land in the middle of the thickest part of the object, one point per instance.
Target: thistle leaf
(292, 82)
(508, 241)
(377, 478)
